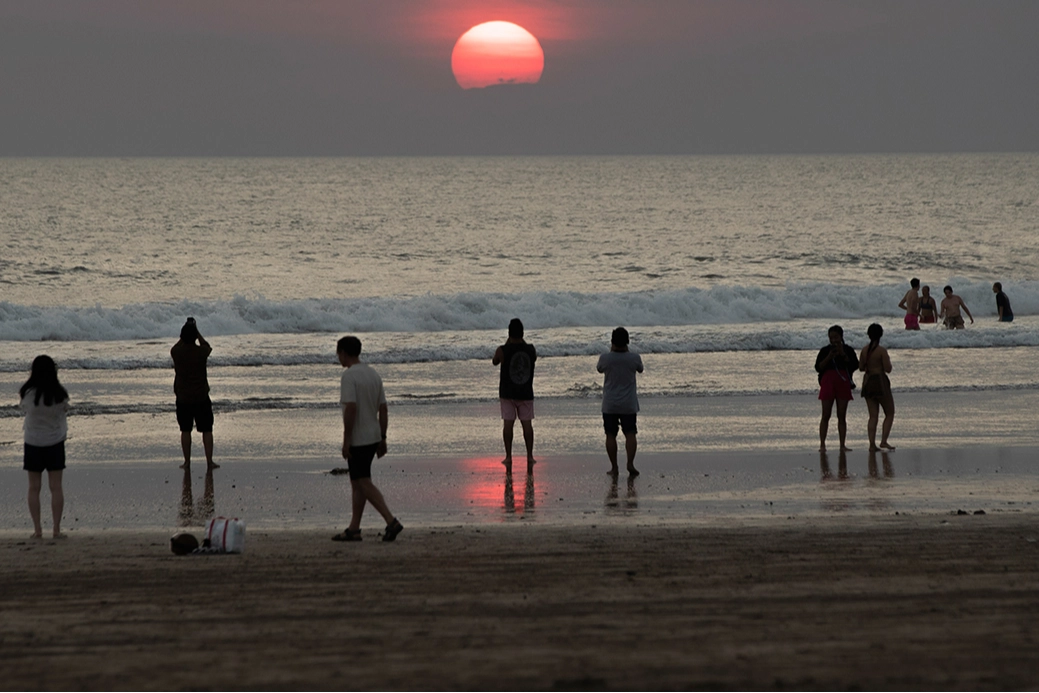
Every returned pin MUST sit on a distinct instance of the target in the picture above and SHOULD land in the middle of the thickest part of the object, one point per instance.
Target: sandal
(392, 530)
(348, 535)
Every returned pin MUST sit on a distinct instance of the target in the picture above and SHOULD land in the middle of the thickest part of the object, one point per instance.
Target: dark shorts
(198, 413)
(625, 422)
(361, 457)
(46, 459)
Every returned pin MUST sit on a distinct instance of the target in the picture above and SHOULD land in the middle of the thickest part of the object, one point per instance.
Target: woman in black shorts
(45, 403)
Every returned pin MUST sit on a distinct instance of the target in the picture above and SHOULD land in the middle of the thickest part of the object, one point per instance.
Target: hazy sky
(373, 77)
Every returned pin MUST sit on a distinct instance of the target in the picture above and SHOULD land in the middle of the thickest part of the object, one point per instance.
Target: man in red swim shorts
(910, 303)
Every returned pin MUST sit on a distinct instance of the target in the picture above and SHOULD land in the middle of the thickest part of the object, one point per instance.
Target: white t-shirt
(363, 386)
(619, 394)
(44, 426)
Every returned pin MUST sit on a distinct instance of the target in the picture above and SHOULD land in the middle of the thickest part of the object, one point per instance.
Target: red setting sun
(497, 53)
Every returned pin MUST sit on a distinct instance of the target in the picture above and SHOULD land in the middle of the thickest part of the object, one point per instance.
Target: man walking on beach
(910, 303)
(620, 402)
(365, 419)
(516, 390)
(1002, 304)
(191, 386)
(951, 305)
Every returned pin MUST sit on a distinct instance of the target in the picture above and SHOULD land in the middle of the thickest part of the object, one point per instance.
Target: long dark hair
(875, 332)
(44, 379)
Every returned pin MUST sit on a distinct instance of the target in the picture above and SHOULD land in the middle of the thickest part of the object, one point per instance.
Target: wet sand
(895, 602)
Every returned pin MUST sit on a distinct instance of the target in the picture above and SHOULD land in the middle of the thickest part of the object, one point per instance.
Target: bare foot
(186, 465)
(632, 471)
(59, 535)
(213, 465)
(874, 448)
(531, 461)
(887, 446)
(38, 535)
(844, 448)
(822, 448)
(613, 471)
(508, 465)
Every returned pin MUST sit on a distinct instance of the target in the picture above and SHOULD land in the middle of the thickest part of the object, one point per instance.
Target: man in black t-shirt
(1002, 304)
(516, 390)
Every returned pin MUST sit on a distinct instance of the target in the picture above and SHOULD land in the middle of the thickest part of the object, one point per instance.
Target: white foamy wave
(722, 305)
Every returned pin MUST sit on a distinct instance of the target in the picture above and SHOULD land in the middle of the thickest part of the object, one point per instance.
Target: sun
(495, 53)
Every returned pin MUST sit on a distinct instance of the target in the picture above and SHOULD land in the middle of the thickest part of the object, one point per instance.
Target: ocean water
(727, 271)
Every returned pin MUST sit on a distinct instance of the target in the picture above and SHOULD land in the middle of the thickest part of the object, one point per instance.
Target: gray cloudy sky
(373, 77)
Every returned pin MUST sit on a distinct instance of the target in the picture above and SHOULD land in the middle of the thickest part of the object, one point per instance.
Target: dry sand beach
(900, 602)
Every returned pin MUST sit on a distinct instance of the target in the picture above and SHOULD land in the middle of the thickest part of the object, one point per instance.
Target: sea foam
(719, 306)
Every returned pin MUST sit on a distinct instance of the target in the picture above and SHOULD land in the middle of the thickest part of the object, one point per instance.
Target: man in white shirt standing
(365, 418)
(620, 402)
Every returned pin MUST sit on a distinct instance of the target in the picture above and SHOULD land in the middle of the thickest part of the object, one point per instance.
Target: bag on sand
(183, 543)
(225, 535)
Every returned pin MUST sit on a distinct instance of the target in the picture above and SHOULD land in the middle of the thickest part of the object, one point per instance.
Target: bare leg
(842, 422)
(824, 423)
(374, 496)
(631, 445)
(889, 418)
(57, 499)
(506, 437)
(357, 506)
(35, 483)
(207, 445)
(185, 446)
(871, 426)
(611, 452)
(528, 440)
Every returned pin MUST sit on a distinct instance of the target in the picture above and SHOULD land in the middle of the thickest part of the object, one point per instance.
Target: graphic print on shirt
(520, 370)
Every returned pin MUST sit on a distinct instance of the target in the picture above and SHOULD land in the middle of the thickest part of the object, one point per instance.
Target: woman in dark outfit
(835, 364)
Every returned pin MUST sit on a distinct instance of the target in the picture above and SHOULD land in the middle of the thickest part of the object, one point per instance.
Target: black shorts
(199, 413)
(624, 422)
(361, 457)
(44, 459)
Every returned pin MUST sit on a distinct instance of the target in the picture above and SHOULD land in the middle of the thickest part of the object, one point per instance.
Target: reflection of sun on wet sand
(934, 601)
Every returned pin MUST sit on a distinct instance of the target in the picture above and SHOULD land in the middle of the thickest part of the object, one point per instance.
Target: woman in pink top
(45, 403)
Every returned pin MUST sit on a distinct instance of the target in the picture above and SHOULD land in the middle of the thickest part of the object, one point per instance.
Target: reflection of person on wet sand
(835, 364)
(876, 387)
(885, 460)
(509, 502)
(528, 493)
(842, 465)
(189, 514)
(631, 500)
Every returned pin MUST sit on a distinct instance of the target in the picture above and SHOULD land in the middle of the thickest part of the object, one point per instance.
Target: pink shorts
(835, 385)
(512, 409)
(912, 322)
